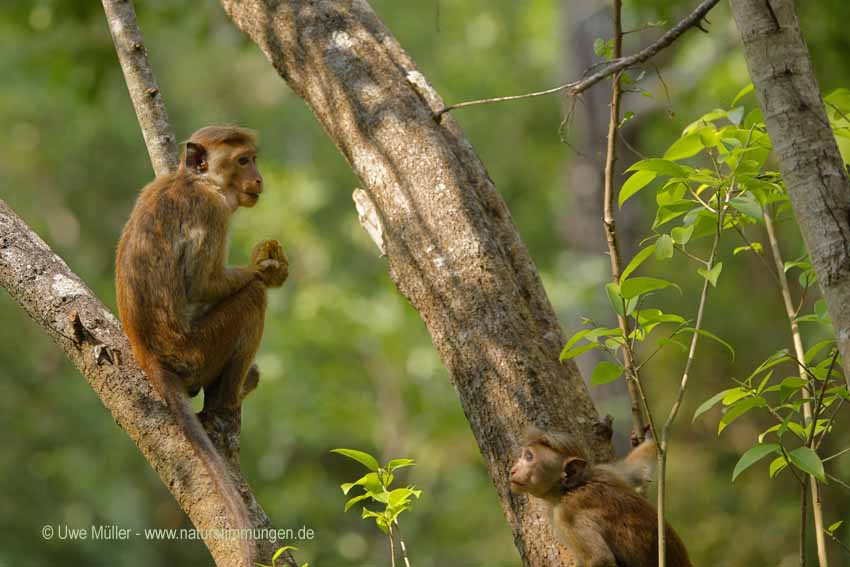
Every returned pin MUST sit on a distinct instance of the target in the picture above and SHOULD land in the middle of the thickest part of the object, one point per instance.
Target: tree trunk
(452, 248)
(805, 147)
(809, 160)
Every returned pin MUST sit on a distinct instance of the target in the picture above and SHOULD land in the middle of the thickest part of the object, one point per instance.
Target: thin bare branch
(608, 223)
(693, 19)
(800, 351)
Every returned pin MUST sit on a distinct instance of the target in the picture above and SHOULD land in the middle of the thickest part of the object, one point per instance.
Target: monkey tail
(166, 383)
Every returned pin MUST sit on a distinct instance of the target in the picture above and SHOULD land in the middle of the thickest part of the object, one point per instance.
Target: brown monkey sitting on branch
(596, 512)
(192, 322)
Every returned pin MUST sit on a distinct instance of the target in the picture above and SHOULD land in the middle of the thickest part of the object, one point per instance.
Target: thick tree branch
(60, 302)
(141, 82)
(451, 244)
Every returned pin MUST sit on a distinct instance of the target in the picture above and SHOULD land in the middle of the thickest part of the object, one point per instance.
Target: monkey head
(548, 464)
(226, 157)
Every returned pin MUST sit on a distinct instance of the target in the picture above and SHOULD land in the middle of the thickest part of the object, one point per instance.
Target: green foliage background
(346, 362)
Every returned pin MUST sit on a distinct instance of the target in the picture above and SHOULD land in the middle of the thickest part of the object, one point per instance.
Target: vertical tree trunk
(805, 147)
(452, 247)
(808, 156)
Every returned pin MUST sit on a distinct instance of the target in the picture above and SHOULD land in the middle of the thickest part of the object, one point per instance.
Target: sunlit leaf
(660, 166)
(635, 183)
(713, 274)
(741, 94)
(364, 459)
(639, 258)
(682, 234)
(685, 147)
(737, 410)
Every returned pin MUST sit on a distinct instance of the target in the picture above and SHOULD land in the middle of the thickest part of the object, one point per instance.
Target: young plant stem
(637, 401)
(392, 546)
(677, 403)
(800, 351)
(803, 520)
(402, 545)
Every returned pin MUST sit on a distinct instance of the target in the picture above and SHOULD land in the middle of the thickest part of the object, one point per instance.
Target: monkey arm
(221, 284)
(583, 536)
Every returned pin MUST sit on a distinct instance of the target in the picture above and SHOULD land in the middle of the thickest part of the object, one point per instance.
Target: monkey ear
(196, 157)
(574, 467)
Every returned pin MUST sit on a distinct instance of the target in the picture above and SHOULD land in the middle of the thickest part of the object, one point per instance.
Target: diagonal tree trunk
(811, 165)
(452, 247)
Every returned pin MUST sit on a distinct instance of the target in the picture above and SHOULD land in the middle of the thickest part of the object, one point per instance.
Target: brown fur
(193, 323)
(596, 511)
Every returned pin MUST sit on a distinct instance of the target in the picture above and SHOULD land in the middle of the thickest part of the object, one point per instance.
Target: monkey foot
(252, 378)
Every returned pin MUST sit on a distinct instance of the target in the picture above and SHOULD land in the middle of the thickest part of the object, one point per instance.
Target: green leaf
(831, 529)
(400, 496)
(734, 395)
(814, 350)
(352, 501)
(748, 205)
(682, 234)
(400, 463)
(713, 274)
(777, 465)
(370, 483)
(742, 93)
(685, 147)
(616, 300)
(641, 285)
(808, 461)
(710, 403)
(791, 385)
(639, 259)
(364, 459)
(599, 47)
(711, 336)
(605, 372)
(755, 247)
(568, 354)
(573, 340)
(660, 166)
(664, 247)
(737, 410)
(635, 183)
(752, 456)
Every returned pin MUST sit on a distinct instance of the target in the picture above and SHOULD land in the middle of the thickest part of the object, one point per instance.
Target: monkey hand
(270, 263)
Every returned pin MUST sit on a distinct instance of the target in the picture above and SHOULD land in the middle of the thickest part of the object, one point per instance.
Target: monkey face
(231, 167)
(246, 178)
(537, 471)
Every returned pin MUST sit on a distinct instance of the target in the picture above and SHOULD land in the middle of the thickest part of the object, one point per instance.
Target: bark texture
(805, 147)
(141, 82)
(91, 336)
(452, 247)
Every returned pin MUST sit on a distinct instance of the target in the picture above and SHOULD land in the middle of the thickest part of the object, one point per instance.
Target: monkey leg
(229, 337)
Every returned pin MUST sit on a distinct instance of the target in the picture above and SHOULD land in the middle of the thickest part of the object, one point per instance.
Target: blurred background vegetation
(345, 361)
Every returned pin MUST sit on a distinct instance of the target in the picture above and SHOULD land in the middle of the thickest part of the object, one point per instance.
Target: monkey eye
(244, 160)
(528, 455)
